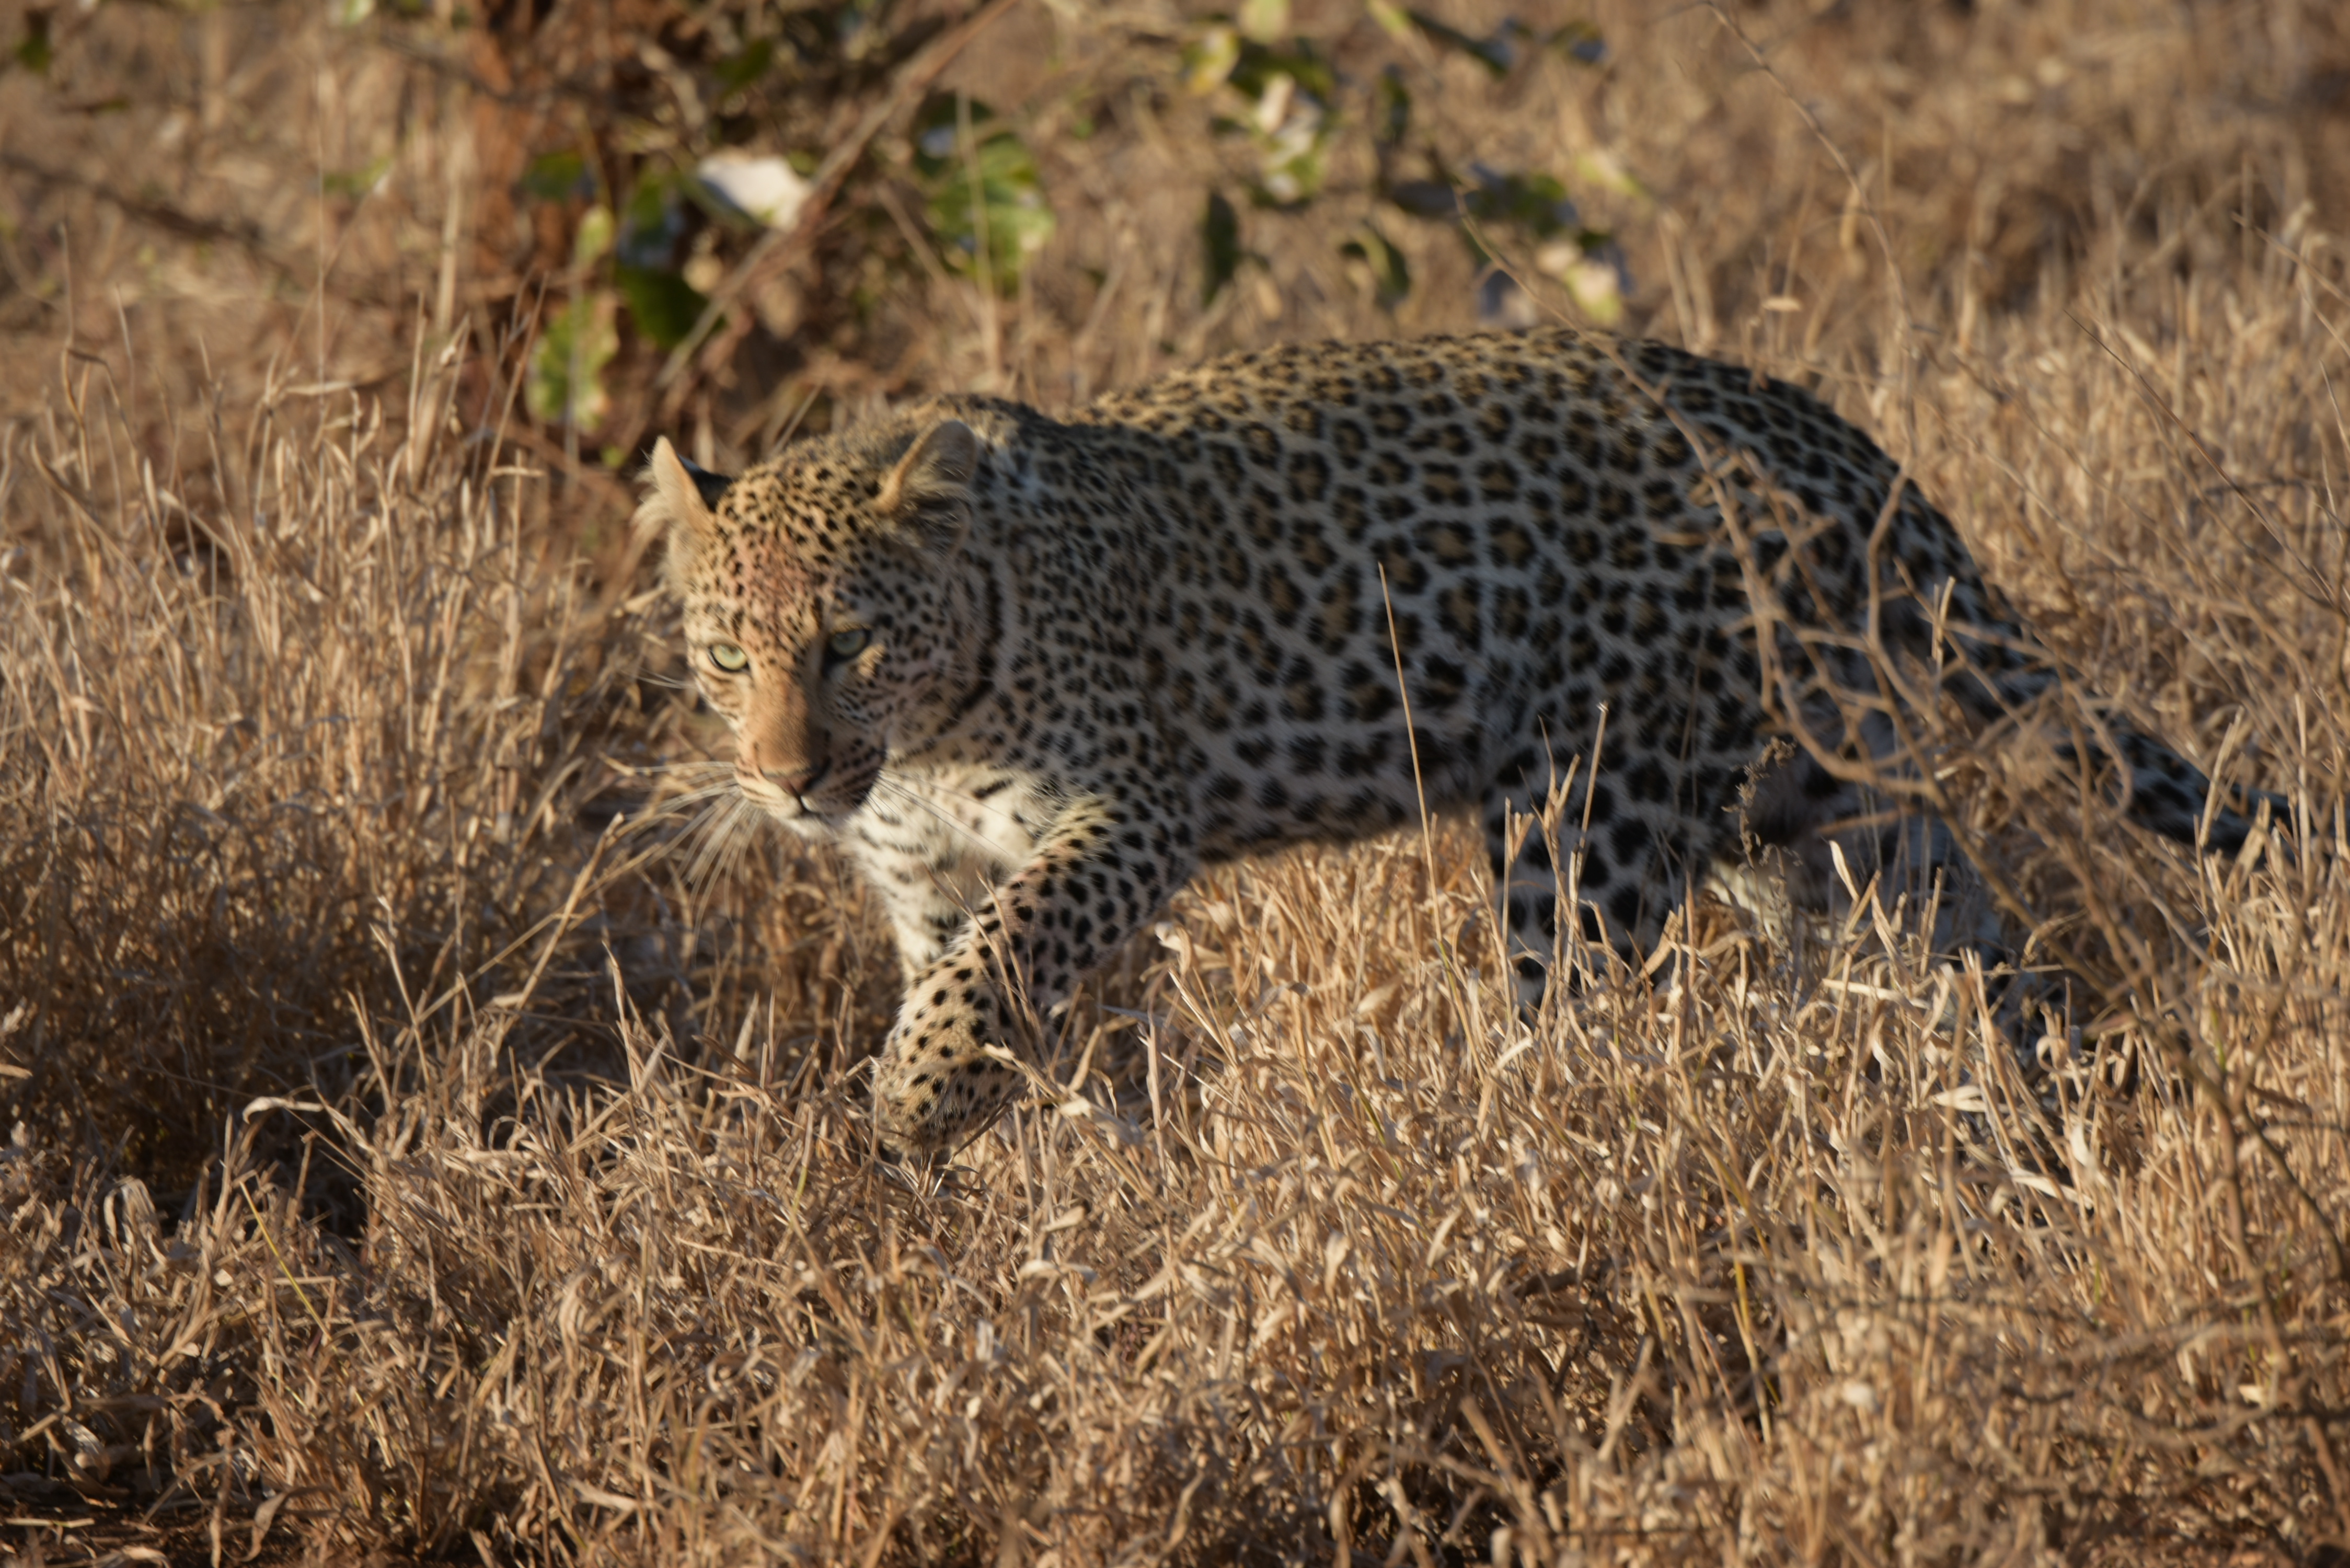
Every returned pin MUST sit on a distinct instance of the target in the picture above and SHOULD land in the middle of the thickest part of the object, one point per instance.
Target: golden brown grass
(407, 1158)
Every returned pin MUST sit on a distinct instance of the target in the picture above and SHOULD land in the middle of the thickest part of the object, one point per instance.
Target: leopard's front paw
(938, 1084)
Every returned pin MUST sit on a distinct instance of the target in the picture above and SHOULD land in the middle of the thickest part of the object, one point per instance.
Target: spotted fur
(1031, 673)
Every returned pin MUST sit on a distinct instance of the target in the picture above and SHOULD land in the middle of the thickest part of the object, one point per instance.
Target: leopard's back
(1532, 516)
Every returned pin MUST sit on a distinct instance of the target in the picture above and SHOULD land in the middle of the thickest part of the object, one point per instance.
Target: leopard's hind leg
(1619, 848)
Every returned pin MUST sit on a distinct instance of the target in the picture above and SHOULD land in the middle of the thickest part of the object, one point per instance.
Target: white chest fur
(937, 842)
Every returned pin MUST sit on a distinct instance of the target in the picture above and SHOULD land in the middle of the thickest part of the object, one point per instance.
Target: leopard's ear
(681, 501)
(680, 498)
(930, 486)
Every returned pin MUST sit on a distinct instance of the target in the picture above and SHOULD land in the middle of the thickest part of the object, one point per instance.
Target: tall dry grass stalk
(405, 1156)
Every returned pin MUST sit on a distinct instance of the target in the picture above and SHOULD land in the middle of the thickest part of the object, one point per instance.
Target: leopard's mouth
(834, 799)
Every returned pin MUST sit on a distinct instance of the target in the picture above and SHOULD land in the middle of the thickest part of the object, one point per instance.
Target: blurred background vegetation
(734, 219)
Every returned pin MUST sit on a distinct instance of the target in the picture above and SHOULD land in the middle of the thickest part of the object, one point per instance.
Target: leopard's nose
(796, 784)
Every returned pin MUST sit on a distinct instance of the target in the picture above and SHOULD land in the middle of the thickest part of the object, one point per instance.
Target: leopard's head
(825, 616)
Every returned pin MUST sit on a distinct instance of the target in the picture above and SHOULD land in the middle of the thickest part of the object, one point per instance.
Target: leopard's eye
(729, 658)
(847, 644)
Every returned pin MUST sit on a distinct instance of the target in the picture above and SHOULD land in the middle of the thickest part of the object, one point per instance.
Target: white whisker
(897, 791)
(989, 807)
(720, 832)
(658, 811)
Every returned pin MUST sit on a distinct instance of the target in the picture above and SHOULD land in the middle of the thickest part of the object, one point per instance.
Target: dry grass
(408, 1159)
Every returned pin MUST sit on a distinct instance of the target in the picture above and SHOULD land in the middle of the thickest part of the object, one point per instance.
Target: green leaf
(1293, 163)
(1289, 91)
(745, 65)
(1292, 132)
(1392, 18)
(982, 186)
(1219, 245)
(660, 302)
(1534, 202)
(558, 177)
(653, 220)
(1264, 20)
(564, 384)
(1390, 273)
(355, 183)
(1254, 71)
(1596, 287)
(1497, 53)
(1209, 60)
(1605, 171)
(594, 238)
(1394, 112)
(36, 51)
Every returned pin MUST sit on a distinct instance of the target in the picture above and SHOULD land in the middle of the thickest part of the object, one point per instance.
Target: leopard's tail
(2172, 796)
(2166, 793)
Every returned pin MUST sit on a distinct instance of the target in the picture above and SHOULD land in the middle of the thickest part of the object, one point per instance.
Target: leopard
(1648, 614)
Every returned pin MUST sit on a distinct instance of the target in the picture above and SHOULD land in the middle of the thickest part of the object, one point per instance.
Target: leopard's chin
(809, 825)
(837, 801)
